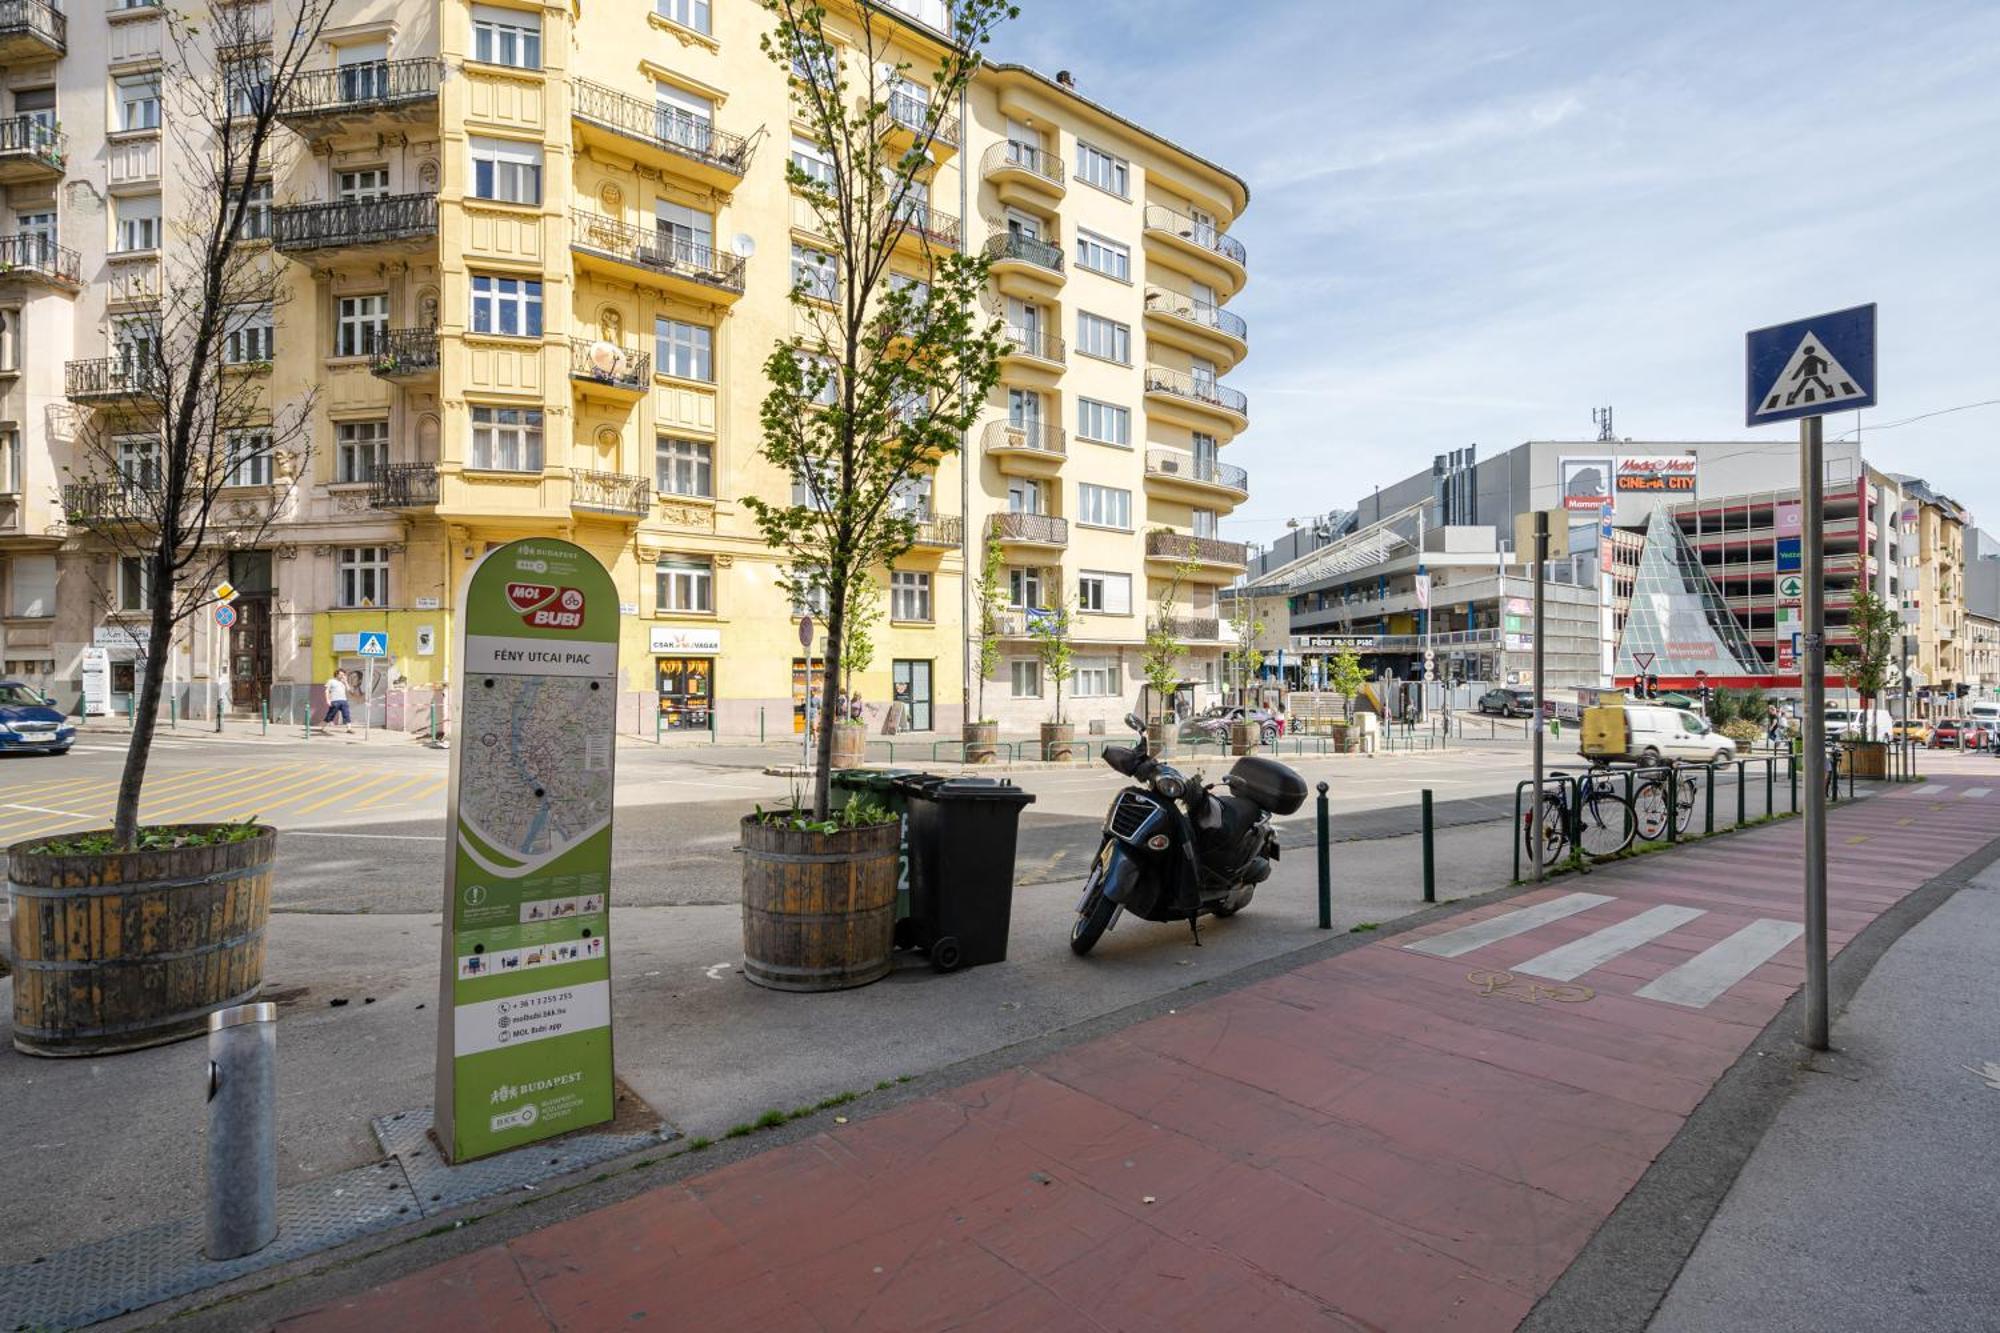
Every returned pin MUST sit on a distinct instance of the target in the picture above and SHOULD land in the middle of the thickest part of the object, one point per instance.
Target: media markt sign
(524, 1025)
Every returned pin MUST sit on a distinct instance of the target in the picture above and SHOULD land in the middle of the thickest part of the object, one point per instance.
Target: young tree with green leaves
(989, 606)
(885, 377)
(1875, 625)
(1051, 628)
(1347, 677)
(1245, 658)
(857, 650)
(1160, 660)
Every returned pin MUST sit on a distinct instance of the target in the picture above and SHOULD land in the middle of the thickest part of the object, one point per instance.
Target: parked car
(1860, 723)
(1653, 734)
(1957, 733)
(1508, 702)
(28, 721)
(1914, 729)
(1213, 724)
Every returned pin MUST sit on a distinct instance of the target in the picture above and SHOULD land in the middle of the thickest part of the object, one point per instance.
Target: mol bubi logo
(563, 611)
(525, 597)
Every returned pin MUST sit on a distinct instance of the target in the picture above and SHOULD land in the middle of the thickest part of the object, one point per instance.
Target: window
(1026, 673)
(506, 37)
(1202, 521)
(819, 68)
(507, 439)
(684, 583)
(815, 272)
(368, 183)
(37, 105)
(10, 340)
(138, 222)
(361, 325)
(1105, 593)
(138, 461)
(1024, 588)
(1103, 506)
(360, 448)
(1096, 678)
(683, 350)
(684, 467)
(33, 594)
(688, 235)
(1101, 255)
(808, 588)
(38, 230)
(247, 83)
(1024, 496)
(1107, 423)
(687, 13)
(1024, 409)
(822, 379)
(1101, 169)
(135, 584)
(249, 458)
(911, 498)
(362, 574)
(909, 595)
(505, 170)
(510, 306)
(257, 213)
(813, 160)
(1105, 338)
(10, 461)
(248, 337)
(683, 117)
(364, 71)
(137, 344)
(139, 103)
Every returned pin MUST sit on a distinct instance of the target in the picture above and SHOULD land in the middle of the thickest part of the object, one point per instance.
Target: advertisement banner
(1671, 474)
(524, 1022)
(1586, 482)
(1791, 554)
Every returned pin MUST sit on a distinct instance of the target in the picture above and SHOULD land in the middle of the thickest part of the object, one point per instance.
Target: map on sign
(536, 777)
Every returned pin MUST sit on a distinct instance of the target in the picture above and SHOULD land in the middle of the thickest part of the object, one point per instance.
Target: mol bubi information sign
(524, 1022)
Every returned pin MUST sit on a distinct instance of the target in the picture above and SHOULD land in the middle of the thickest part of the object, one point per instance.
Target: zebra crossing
(56, 800)
(1694, 984)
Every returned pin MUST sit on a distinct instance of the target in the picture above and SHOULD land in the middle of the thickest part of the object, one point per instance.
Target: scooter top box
(1268, 783)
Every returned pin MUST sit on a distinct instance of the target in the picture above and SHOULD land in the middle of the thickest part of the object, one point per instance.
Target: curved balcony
(608, 371)
(616, 493)
(1023, 173)
(32, 30)
(940, 531)
(1026, 449)
(1196, 399)
(657, 135)
(926, 228)
(404, 486)
(406, 356)
(32, 255)
(1023, 265)
(628, 253)
(30, 151)
(1207, 559)
(370, 96)
(1037, 531)
(1202, 248)
(1038, 352)
(909, 117)
(1177, 475)
(395, 223)
(1200, 327)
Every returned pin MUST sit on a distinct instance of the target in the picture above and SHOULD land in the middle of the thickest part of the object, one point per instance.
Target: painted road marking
(1505, 926)
(1977, 792)
(1572, 960)
(1698, 981)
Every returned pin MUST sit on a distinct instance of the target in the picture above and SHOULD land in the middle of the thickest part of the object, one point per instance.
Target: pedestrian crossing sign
(372, 643)
(1810, 367)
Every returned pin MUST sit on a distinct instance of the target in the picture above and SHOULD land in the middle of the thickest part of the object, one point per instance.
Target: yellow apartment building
(534, 257)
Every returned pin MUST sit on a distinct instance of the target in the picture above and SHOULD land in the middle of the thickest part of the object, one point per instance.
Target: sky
(1472, 223)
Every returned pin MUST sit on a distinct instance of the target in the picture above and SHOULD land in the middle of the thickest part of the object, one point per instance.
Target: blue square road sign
(1810, 367)
(372, 643)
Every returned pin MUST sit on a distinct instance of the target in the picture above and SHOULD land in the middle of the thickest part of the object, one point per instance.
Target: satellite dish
(605, 358)
(744, 245)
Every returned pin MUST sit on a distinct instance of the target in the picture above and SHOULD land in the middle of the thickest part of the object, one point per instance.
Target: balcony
(926, 228)
(404, 486)
(91, 504)
(682, 268)
(1023, 173)
(31, 255)
(1197, 246)
(1026, 448)
(1196, 399)
(395, 223)
(1188, 629)
(1035, 345)
(940, 531)
(1172, 473)
(657, 136)
(113, 379)
(1023, 265)
(910, 116)
(1202, 328)
(406, 356)
(30, 151)
(1038, 531)
(372, 96)
(605, 370)
(1206, 555)
(32, 30)
(609, 493)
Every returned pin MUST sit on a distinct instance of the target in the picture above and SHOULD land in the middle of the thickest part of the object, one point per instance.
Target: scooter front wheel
(1091, 922)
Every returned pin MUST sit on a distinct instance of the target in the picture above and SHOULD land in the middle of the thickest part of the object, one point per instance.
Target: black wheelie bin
(961, 840)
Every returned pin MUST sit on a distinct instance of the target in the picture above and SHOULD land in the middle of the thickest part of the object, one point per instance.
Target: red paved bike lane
(1383, 1139)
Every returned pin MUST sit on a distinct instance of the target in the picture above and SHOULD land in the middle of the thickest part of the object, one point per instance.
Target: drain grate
(437, 1186)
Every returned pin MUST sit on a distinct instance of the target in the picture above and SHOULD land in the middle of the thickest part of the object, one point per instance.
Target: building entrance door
(687, 691)
(911, 680)
(250, 652)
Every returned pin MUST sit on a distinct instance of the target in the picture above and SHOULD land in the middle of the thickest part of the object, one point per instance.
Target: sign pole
(1541, 563)
(1811, 480)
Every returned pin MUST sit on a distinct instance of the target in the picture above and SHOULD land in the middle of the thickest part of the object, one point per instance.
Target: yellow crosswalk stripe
(219, 795)
(341, 793)
(379, 797)
(257, 802)
(106, 789)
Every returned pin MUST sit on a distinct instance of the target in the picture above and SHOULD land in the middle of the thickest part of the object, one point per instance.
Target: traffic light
(1652, 685)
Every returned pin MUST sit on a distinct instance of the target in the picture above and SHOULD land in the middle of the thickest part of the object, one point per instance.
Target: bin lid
(871, 779)
(967, 789)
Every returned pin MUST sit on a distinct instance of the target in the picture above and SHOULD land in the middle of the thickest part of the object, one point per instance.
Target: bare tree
(190, 459)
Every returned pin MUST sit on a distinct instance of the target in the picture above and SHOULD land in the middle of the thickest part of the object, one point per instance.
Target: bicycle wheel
(1549, 822)
(1649, 809)
(1690, 791)
(1606, 826)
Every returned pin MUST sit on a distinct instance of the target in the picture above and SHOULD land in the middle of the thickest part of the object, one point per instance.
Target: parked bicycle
(1602, 821)
(1649, 803)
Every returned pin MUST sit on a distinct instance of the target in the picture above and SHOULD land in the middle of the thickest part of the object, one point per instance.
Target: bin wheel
(945, 954)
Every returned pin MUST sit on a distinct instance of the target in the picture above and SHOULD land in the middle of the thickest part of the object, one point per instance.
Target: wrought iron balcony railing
(660, 125)
(1196, 388)
(1205, 550)
(29, 138)
(35, 20)
(372, 85)
(33, 252)
(402, 352)
(127, 376)
(1231, 325)
(914, 114)
(603, 363)
(1039, 436)
(940, 530)
(1197, 629)
(647, 248)
(354, 222)
(1041, 529)
(1025, 156)
(1035, 342)
(609, 492)
(935, 226)
(86, 503)
(1014, 246)
(1204, 234)
(403, 486)
(1174, 463)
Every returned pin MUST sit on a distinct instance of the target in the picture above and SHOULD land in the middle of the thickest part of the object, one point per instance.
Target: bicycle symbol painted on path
(1527, 992)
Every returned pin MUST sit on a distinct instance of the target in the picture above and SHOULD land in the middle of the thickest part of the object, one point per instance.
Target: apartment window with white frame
(909, 595)
(808, 586)
(257, 213)
(824, 372)
(1025, 675)
(366, 183)
(815, 162)
(687, 234)
(688, 13)
(1104, 338)
(361, 447)
(32, 595)
(1024, 588)
(247, 84)
(685, 584)
(37, 106)
(10, 339)
(1101, 254)
(815, 272)
(139, 102)
(683, 118)
(361, 576)
(508, 306)
(684, 467)
(135, 584)
(1103, 506)
(364, 71)
(506, 170)
(1104, 592)
(685, 351)
(506, 37)
(249, 454)
(1202, 521)
(1104, 170)
(138, 222)
(135, 341)
(361, 324)
(507, 439)
(1096, 678)
(249, 336)
(10, 461)
(138, 461)
(1106, 423)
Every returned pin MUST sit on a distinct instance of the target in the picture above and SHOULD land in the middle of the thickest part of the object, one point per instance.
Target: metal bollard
(1325, 864)
(1430, 854)
(242, 1131)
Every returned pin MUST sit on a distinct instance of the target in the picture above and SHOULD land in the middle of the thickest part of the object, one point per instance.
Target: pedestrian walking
(336, 702)
(1774, 725)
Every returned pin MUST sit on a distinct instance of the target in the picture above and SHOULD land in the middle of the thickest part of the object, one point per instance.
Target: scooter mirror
(1134, 721)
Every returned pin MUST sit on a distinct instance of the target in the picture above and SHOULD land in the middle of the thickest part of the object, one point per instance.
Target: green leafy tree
(1245, 659)
(1160, 660)
(880, 380)
(857, 651)
(1867, 666)
(1051, 628)
(989, 609)
(1347, 677)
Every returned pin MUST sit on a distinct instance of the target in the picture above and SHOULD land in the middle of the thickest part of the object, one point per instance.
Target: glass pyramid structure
(1678, 615)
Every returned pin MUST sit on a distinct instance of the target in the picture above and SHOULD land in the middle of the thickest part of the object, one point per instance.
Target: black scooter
(1175, 851)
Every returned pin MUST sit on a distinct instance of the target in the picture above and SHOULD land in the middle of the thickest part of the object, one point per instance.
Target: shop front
(684, 675)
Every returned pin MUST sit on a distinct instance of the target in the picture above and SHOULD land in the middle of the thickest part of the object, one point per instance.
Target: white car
(1860, 723)
(1654, 733)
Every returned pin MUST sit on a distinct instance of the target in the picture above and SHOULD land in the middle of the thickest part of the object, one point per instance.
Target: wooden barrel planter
(1058, 742)
(850, 745)
(122, 950)
(982, 742)
(819, 909)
